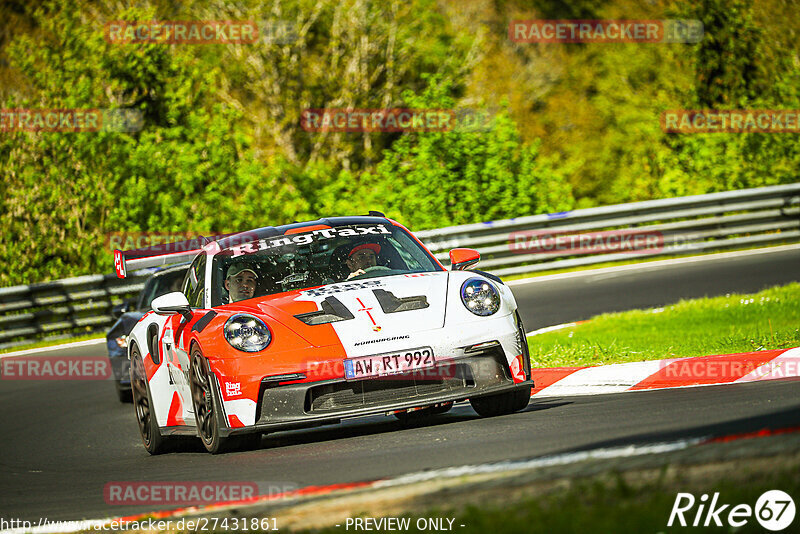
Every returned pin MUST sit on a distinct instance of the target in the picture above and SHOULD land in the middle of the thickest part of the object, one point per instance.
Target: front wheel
(502, 403)
(208, 410)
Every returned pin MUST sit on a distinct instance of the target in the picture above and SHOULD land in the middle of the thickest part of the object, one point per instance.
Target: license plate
(389, 363)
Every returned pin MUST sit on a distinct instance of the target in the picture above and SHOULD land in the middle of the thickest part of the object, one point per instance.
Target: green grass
(54, 342)
(766, 320)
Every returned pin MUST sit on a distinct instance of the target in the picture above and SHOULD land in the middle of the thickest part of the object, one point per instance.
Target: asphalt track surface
(62, 442)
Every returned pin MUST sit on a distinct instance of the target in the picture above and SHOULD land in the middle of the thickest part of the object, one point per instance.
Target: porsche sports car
(163, 280)
(309, 323)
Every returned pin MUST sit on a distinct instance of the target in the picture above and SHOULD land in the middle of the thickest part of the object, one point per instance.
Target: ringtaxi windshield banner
(307, 238)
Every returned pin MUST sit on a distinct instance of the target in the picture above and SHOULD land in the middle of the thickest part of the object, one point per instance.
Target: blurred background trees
(222, 147)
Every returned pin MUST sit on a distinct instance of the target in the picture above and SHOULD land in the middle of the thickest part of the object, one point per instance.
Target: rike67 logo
(774, 510)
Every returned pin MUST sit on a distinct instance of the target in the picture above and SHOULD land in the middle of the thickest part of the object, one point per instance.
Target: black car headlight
(247, 333)
(480, 297)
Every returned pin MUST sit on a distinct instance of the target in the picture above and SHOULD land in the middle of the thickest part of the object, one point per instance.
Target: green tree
(433, 179)
(730, 67)
(338, 54)
(190, 168)
(735, 69)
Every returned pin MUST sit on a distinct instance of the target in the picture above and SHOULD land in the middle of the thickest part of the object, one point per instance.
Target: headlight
(247, 333)
(122, 342)
(480, 297)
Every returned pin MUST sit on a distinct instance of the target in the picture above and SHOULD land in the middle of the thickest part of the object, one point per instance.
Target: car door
(175, 339)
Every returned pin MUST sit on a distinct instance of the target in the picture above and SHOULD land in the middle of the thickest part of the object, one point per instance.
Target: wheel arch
(131, 345)
(194, 342)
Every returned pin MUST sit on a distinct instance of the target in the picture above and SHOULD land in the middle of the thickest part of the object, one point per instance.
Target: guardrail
(686, 225)
(62, 308)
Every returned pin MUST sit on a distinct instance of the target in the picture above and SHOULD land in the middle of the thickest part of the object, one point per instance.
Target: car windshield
(316, 257)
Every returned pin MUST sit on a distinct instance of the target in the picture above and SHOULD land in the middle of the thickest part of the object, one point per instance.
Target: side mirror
(461, 258)
(172, 303)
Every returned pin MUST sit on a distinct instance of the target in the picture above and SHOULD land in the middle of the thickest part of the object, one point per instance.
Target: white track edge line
(539, 462)
(37, 350)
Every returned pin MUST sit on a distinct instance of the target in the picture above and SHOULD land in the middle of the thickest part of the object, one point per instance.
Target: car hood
(363, 312)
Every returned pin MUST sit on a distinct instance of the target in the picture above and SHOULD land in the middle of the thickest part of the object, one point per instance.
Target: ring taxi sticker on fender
(389, 363)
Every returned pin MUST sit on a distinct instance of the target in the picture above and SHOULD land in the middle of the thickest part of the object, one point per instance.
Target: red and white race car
(305, 324)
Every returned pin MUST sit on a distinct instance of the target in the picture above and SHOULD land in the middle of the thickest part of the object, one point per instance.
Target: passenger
(240, 282)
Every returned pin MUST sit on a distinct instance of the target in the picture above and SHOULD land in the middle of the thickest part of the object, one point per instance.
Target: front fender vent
(203, 322)
(332, 310)
(391, 304)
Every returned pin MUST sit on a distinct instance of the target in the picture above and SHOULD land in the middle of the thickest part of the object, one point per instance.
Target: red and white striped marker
(669, 373)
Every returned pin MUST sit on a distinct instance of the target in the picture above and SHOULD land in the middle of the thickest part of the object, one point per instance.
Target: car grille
(386, 390)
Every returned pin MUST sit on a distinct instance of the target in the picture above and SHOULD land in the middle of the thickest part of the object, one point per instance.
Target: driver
(361, 258)
(240, 282)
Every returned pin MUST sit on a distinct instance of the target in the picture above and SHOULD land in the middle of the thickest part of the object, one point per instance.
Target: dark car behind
(164, 280)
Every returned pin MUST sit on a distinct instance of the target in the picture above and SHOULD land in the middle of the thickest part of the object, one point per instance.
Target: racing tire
(502, 403)
(424, 413)
(208, 407)
(152, 439)
(513, 401)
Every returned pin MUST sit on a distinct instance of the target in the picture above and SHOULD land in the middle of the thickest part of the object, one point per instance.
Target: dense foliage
(222, 147)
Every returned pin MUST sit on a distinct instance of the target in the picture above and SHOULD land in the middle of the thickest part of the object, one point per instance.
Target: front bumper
(309, 404)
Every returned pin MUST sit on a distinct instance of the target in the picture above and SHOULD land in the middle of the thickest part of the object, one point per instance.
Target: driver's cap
(237, 268)
(374, 247)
